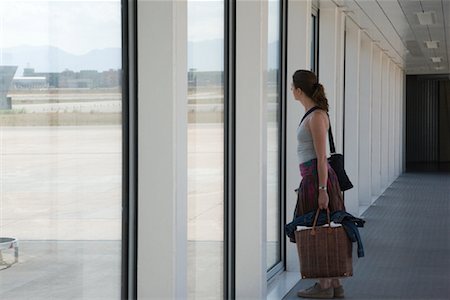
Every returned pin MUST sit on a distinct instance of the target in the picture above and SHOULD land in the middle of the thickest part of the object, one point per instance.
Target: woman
(319, 187)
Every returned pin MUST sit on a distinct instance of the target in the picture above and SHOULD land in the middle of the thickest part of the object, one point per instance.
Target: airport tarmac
(60, 195)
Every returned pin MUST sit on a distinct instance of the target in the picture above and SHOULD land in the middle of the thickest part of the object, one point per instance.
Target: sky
(80, 26)
(74, 26)
(206, 34)
(205, 20)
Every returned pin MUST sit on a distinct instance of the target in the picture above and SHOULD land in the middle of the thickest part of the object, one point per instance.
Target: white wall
(331, 66)
(376, 122)
(365, 122)
(373, 85)
(299, 25)
(162, 149)
(351, 106)
(374, 107)
(392, 127)
(385, 123)
(251, 149)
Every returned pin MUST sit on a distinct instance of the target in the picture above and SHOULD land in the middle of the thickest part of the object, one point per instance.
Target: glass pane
(273, 136)
(60, 149)
(313, 43)
(205, 149)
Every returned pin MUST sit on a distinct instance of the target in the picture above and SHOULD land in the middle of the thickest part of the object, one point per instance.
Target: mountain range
(207, 55)
(204, 55)
(53, 59)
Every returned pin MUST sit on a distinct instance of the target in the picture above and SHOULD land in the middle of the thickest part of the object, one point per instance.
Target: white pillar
(352, 95)
(391, 125)
(299, 27)
(396, 123)
(162, 149)
(400, 118)
(365, 132)
(331, 66)
(403, 109)
(339, 106)
(376, 122)
(251, 150)
(328, 55)
(384, 123)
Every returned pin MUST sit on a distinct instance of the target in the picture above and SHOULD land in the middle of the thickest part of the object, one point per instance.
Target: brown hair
(308, 83)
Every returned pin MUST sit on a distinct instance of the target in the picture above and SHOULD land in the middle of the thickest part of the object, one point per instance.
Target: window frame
(281, 265)
(129, 150)
(315, 14)
(229, 76)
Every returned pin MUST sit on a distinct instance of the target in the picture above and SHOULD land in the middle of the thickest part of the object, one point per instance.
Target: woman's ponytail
(307, 82)
(319, 97)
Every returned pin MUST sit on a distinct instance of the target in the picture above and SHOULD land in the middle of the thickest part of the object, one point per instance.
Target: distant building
(192, 78)
(29, 83)
(205, 78)
(70, 79)
(52, 78)
(28, 72)
(6, 76)
(111, 78)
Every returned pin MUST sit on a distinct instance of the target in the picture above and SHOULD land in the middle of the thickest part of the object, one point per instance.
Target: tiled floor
(406, 241)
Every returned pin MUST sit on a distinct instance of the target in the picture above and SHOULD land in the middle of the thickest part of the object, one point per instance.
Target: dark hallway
(427, 123)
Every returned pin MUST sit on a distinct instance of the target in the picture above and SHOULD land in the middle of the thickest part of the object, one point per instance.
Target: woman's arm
(318, 125)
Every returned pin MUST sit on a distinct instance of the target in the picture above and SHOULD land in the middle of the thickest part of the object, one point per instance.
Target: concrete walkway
(406, 241)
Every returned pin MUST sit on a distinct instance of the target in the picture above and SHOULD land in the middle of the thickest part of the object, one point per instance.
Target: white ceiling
(394, 25)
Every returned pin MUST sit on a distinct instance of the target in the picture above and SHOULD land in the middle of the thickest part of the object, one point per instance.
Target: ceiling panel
(374, 12)
(394, 23)
(410, 7)
(382, 31)
(396, 16)
(437, 33)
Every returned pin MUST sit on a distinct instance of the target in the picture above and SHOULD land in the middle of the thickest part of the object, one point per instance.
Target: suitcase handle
(313, 232)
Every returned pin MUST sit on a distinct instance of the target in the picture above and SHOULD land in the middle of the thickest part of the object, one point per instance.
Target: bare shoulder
(319, 118)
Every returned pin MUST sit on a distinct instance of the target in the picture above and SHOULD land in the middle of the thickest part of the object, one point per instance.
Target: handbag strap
(330, 137)
(330, 132)
(315, 221)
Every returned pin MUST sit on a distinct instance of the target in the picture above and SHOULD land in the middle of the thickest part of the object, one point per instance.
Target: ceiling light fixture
(436, 59)
(432, 44)
(426, 17)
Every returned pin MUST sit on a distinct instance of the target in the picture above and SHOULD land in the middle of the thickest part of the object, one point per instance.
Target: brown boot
(316, 292)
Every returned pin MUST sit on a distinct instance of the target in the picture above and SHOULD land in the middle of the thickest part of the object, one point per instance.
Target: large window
(205, 149)
(61, 149)
(273, 135)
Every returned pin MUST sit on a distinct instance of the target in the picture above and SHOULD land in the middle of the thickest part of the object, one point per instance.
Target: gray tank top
(305, 146)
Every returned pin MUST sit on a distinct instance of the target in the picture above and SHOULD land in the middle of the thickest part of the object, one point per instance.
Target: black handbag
(335, 160)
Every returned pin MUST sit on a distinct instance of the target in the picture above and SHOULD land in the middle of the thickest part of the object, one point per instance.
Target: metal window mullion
(229, 148)
(129, 150)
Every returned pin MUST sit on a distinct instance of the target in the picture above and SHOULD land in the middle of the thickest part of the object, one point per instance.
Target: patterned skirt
(308, 191)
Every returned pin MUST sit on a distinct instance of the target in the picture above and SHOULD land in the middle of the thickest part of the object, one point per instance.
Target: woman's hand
(323, 199)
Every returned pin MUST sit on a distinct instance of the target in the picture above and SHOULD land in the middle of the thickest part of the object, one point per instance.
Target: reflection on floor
(63, 270)
(406, 242)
